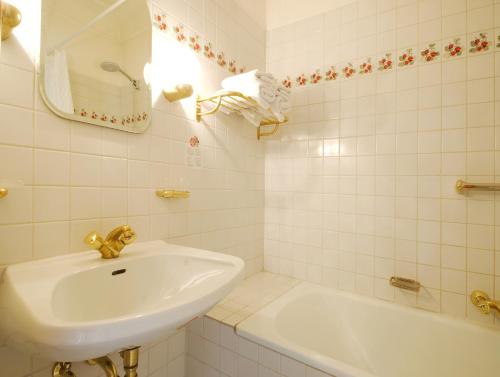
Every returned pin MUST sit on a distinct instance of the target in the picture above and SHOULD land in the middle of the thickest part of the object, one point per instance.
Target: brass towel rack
(462, 186)
(236, 102)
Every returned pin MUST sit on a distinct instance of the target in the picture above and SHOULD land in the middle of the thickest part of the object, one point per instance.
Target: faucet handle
(94, 240)
(128, 236)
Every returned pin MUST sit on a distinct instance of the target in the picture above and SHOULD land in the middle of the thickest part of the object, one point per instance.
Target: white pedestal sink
(79, 306)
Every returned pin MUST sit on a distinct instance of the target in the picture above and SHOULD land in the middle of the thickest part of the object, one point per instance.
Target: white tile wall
(360, 185)
(78, 177)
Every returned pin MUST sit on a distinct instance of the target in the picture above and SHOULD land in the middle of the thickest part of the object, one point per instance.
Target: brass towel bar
(462, 186)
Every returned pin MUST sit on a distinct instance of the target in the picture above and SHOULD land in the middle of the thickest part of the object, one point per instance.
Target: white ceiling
(272, 14)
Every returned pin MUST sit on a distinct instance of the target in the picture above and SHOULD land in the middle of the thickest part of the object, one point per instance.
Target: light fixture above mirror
(10, 17)
(178, 92)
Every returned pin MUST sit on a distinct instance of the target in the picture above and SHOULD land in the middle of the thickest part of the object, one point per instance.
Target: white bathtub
(351, 336)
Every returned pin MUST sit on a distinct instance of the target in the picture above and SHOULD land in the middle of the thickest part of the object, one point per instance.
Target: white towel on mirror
(57, 84)
(259, 86)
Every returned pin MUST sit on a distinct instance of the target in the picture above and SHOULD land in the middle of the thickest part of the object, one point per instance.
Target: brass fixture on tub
(483, 302)
(10, 18)
(114, 243)
(405, 283)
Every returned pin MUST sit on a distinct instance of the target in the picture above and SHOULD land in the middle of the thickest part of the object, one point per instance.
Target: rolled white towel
(283, 93)
(284, 90)
(259, 86)
(281, 104)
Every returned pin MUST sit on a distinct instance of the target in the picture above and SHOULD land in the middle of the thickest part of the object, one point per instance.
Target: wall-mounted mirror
(93, 58)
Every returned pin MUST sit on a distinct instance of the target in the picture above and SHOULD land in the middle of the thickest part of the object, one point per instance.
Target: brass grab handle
(172, 194)
(462, 186)
(404, 283)
(3, 192)
(483, 302)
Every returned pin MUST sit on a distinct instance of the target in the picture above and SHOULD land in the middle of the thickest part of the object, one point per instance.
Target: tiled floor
(251, 295)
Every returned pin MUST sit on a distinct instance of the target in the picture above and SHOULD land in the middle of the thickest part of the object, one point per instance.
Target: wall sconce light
(10, 18)
(178, 92)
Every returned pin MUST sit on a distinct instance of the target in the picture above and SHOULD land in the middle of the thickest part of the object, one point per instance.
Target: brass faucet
(483, 302)
(114, 243)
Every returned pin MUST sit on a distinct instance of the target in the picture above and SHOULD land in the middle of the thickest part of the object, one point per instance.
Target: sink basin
(80, 306)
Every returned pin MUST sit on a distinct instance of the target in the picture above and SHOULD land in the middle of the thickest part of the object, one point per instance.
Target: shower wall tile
(404, 103)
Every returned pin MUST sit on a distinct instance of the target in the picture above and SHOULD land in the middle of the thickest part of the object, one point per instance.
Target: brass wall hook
(3, 192)
(11, 17)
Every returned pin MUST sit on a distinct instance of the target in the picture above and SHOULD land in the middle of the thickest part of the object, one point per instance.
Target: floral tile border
(113, 119)
(480, 42)
(430, 52)
(170, 26)
(386, 62)
(454, 47)
(450, 48)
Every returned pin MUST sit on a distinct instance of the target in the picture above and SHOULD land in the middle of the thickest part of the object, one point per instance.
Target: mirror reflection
(93, 57)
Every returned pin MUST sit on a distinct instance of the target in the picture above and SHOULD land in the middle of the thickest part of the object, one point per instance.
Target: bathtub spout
(483, 302)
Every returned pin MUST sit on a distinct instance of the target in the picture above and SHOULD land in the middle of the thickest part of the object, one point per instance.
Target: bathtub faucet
(483, 302)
